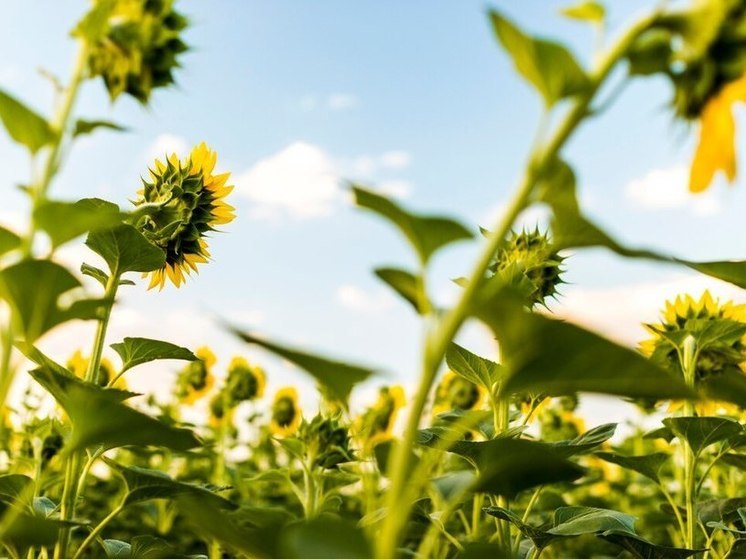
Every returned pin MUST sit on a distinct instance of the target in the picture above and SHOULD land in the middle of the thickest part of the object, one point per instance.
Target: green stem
(688, 366)
(218, 476)
(60, 125)
(447, 327)
(74, 481)
(97, 530)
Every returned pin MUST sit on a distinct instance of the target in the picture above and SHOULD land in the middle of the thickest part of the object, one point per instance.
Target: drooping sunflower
(286, 413)
(245, 381)
(196, 379)
(718, 331)
(182, 203)
(457, 393)
(377, 422)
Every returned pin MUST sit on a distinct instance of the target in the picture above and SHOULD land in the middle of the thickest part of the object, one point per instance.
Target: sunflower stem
(689, 368)
(218, 475)
(74, 475)
(444, 329)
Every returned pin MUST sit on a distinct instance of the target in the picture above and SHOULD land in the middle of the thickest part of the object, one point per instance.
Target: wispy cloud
(667, 189)
(357, 299)
(166, 144)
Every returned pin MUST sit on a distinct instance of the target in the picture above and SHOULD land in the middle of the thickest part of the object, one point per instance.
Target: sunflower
(245, 381)
(78, 365)
(719, 334)
(286, 413)
(220, 410)
(183, 202)
(377, 422)
(196, 379)
(457, 393)
(137, 48)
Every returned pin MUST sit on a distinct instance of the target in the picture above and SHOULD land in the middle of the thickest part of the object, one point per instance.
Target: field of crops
(476, 456)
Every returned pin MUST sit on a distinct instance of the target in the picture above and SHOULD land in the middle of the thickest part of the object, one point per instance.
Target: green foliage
(126, 250)
(24, 125)
(137, 351)
(65, 221)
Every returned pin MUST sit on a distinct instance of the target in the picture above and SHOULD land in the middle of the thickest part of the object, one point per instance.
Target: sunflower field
(476, 456)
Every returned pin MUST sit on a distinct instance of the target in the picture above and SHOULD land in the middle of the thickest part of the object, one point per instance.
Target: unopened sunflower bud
(327, 441)
(529, 261)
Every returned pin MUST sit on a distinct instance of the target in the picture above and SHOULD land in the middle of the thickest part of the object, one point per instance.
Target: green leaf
(323, 538)
(540, 538)
(587, 10)
(737, 550)
(14, 488)
(145, 485)
(8, 241)
(20, 530)
(558, 358)
(735, 460)
(126, 250)
(136, 351)
(648, 465)
(426, 234)
(34, 289)
(701, 432)
(405, 284)
(64, 221)
(335, 376)
(472, 367)
(143, 547)
(25, 126)
(547, 65)
(88, 126)
(99, 417)
(576, 521)
(643, 549)
(582, 444)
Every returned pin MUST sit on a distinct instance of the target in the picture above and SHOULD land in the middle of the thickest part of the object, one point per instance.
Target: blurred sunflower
(245, 381)
(457, 393)
(719, 334)
(286, 413)
(196, 379)
(78, 365)
(377, 422)
(183, 202)
(220, 410)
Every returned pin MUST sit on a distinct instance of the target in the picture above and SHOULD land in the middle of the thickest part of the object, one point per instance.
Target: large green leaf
(20, 529)
(99, 417)
(538, 536)
(24, 125)
(547, 65)
(472, 367)
(64, 221)
(337, 377)
(8, 241)
(34, 289)
(576, 521)
(126, 250)
(558, 358)
(136, 351)
(701, 432)
(648, 465)
(323, 538)
(585, 442)
(426, 234)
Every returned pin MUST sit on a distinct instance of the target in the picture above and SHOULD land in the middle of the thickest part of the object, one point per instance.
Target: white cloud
(667, 189)
(341, 101)
(395, 159)
(299, 181)
(165, 144)
(395, 188)
(619, 312)
(356, 299)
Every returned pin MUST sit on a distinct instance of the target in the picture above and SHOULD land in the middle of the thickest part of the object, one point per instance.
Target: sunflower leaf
(8, 241)
(337, 377)
(472, 367)
(88, 126)
(64, 221)
(547, 65)
(701, 432)
(648, 465)
(136, 351)
(24, 125)
(405, 283)
(426, 234)
(126, 250)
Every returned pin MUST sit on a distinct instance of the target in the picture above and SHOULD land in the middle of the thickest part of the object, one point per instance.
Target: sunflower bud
(175, 211)
(377, 422)
(135, 50)
(456, 393)
(327, 441)
(528, 261)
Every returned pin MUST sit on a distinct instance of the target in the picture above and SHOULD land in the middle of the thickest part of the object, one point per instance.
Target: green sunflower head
(529, 261)
(327, 440)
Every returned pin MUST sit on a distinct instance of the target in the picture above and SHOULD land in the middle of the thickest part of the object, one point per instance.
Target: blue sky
(415, 97)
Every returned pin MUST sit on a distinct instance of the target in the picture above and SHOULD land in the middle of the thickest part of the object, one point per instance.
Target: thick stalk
(73, 471)
(688, 366)
(447, 327)
(218, 475)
